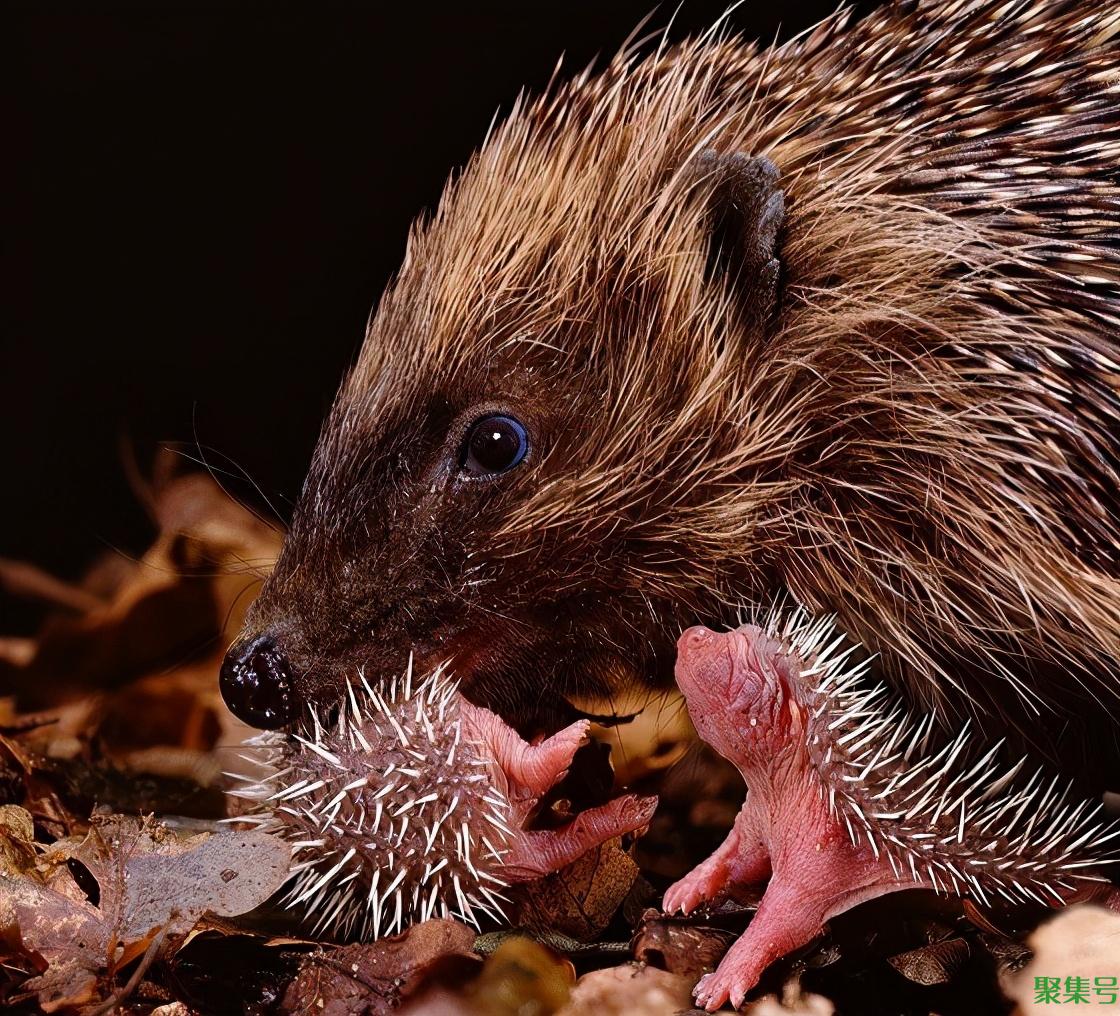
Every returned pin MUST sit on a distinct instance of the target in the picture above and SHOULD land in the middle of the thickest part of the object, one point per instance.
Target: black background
(208, 200)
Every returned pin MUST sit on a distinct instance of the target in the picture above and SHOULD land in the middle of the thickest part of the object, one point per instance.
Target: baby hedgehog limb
(847, 800)
(413, 804)
(529, 772)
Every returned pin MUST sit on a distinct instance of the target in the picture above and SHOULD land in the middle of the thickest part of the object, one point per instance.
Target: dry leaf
(936, 963)
(372, 978)
(177, 879)
(17, 839)
(678, 946)
(522, 976)
(143, 642)
(581, 899)
(149, 883)
(128, 620)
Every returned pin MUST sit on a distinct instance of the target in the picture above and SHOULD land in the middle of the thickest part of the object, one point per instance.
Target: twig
(137, 975)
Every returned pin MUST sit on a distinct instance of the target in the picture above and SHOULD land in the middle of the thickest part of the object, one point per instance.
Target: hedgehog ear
(746, 209)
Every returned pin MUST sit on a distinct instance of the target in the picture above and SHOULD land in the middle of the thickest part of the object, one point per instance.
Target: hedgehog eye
(493, 445)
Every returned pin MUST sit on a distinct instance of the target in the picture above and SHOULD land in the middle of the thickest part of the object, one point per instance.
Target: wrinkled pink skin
(526, 772)
(735, 686)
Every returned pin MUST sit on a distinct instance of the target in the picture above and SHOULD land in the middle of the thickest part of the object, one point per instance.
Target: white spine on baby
(392, 814)
(956, 819)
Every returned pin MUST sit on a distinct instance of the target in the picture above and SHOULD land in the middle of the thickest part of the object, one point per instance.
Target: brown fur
(925, 440)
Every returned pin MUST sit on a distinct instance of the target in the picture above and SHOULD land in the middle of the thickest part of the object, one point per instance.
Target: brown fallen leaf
(678, 946)
(128, 619)
(171, 1009)
(178, 878)
(581, 899)
(373, 978)
(27, 581)
(150, 885)
(123, 671)
(936, 963)
(17, 856)
(17, 839)
(15, 653)
(45, 917)
(521, 976)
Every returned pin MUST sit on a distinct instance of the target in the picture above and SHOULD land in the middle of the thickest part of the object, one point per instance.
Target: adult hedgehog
(838, 319)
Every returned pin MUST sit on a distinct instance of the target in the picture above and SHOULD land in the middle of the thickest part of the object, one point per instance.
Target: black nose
(256, 682)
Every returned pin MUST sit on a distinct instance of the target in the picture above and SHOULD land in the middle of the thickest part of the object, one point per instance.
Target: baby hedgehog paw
(716, 989)
(530, 771)
(705, 883)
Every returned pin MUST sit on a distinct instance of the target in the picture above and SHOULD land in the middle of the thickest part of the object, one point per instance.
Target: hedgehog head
(741, 688)
(545, 400)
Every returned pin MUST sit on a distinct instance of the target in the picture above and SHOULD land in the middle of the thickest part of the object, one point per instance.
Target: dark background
(208, 200)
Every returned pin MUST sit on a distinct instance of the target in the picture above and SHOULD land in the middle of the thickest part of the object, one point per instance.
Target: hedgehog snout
(705, 663)
(257, 683)
(695, 639)
(696, 649)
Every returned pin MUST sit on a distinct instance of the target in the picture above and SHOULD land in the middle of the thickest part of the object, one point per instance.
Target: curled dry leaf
(153, 629)
(520, 976)
(936, 963)
(149, 884)
(17, 856)
(679, 946)
(372, 978)
(581, 899)
(17, 839)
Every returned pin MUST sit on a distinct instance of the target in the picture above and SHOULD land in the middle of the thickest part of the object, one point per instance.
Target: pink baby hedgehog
(847, 800)
(412, 805)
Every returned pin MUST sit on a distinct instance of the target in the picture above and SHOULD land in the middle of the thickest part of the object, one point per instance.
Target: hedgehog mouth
(496, 670)
(499, 671)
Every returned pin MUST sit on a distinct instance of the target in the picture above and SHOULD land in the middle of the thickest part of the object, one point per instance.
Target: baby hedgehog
(412, 805)
(847, 800)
